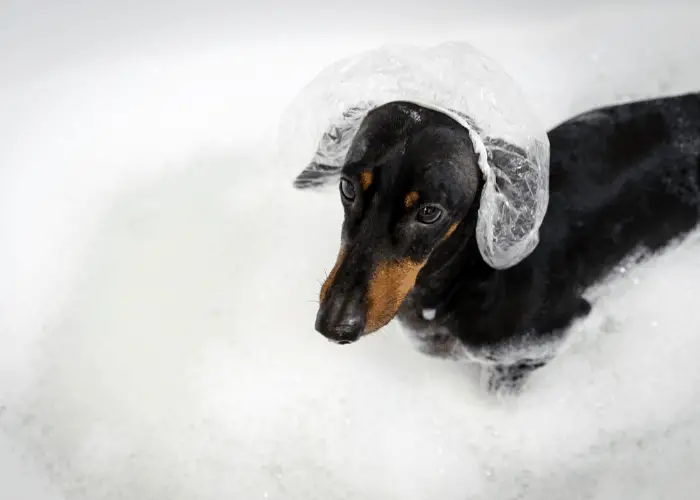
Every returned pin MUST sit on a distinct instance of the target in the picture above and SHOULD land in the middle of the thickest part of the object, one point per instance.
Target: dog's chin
(347, 338)
(343, 341)
(352, 340)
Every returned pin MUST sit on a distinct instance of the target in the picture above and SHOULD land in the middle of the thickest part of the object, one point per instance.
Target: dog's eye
(428, 214)
(347, 190)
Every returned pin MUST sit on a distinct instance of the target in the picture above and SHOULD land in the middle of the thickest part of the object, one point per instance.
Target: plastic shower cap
(453, 78)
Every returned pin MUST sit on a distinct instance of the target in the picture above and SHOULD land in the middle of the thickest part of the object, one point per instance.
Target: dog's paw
(509, 379)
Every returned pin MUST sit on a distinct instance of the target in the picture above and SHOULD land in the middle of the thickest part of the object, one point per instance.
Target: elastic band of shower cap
(318, 128)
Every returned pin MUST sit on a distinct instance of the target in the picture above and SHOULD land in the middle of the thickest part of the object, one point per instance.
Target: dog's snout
(341, 320)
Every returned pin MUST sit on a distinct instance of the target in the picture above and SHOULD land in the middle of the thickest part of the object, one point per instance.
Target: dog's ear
(317, 176)
(327, 163)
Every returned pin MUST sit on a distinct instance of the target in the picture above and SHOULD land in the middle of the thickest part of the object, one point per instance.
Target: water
(156, 311)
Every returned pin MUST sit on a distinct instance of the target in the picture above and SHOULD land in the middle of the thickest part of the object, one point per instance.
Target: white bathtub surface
(158, 273)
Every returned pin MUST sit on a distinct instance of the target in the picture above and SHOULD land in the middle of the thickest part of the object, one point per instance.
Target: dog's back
(624, 182)
(623, 179)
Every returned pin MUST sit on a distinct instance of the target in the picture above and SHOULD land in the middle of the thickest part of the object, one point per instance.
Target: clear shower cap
(454, 78)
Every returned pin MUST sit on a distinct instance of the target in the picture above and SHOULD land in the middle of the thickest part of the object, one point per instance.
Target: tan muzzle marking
(387, 289)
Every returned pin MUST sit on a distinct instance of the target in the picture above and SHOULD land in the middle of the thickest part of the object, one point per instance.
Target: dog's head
(410, 179)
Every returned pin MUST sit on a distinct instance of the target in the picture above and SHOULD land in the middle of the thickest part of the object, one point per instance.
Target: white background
(157, 272)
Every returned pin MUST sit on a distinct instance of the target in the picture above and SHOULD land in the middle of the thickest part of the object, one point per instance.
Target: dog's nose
(341, 320)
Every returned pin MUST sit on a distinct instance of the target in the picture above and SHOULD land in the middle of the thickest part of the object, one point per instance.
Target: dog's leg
(510, 379)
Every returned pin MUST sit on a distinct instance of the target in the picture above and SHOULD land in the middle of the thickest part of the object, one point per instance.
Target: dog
(623, 182)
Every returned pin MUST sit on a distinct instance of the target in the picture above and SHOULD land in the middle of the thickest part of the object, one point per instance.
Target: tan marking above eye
(387, 289)
(366, 179)
(331, 277)
(410, 199)
(451, 230)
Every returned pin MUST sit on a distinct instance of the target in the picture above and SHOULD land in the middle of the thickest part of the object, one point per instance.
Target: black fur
(623, 179)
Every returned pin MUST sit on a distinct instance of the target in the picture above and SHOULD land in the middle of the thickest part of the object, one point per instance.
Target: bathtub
(158, 273)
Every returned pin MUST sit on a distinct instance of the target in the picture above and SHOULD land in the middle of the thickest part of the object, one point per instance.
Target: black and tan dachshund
(624, 181)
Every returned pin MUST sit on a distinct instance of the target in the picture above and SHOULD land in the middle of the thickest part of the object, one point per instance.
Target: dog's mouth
(342, 341)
